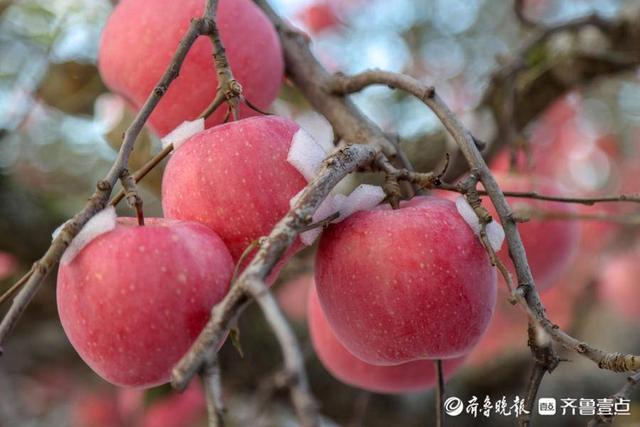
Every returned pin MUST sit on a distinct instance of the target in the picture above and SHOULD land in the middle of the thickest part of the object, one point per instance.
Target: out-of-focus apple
(507, 333)
(319, 17)
(95, 410)
(8, 265)
(550, 244)
(293, 296)
(407, 377)
(177, 410)
(619, 286)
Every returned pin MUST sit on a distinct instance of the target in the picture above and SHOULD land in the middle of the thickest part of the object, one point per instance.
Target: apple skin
(507, 333)
(141, 37)
(8, 265)
(551, 245)
(292, 297)
(234, 178)
(408, 377)
(319, 17)
(135, 298)
(95, 410)
(178, 409)
(407, 284)
(619, 287)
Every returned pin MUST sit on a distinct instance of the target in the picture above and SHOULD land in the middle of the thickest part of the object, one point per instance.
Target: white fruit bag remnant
(495, 235)
(362, 198)
(183, 132)
(305, 154)
(328, 207)
(319, 127)
(102, 222)
(495, 232)
(311, 144)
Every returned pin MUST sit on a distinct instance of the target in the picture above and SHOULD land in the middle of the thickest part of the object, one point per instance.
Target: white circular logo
(453, 406)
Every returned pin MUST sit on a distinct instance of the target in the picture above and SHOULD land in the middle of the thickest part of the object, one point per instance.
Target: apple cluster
(394, 289)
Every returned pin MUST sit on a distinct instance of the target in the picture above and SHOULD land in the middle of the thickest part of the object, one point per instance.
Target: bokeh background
(59, 128)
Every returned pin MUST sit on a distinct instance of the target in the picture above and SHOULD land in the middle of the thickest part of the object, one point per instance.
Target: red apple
(407, 377)
(550, 244)
(319, 17)
(8, 265)
(177, 410)
(141, 37)
(292, 297)
(135, 298)
(95, 410)
(619, 286)
(406, 284)
(234, 178)
(130, 403)
(507, 333)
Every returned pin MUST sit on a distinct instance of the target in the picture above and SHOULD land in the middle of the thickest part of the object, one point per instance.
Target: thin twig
(297, 382)
(543, 214)
(131, 193)
(99, 199)
(526, 292)
(213, 392)
(360, 409)
(542, 88)
(322, 222)
(144, 170)
(9, 292)
(624, 393)
(309, 76)
(545, 360)
(306, 72)
(439, 393)
(228, 90)
(338, 165)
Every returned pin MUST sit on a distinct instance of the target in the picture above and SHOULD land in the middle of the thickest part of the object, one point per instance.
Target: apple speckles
(134, 305)
(245, 188)
(383, 307)
(412, 376)
(131, 64)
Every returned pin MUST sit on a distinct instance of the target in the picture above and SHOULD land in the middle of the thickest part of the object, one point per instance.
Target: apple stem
(131, 193)
(439, 393)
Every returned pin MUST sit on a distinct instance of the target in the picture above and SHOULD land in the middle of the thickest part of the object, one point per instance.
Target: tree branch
(336, 167)
(297, 382)
(99, 199)
(526, 292)
(439, 393)
(542, 74)
(624, 393)
(545, 360)
(213, 392)
(310, 77)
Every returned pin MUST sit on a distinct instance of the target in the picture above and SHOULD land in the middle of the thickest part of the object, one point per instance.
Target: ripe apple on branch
(405, 282)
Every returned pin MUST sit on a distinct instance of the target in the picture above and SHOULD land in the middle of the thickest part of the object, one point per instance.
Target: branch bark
(526, 293)
(598, 48)
(275, 245)
(213, 392)
(100, 197)
(624, 393)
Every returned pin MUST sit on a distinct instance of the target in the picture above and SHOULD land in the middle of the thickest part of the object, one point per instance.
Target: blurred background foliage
(59, 128)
